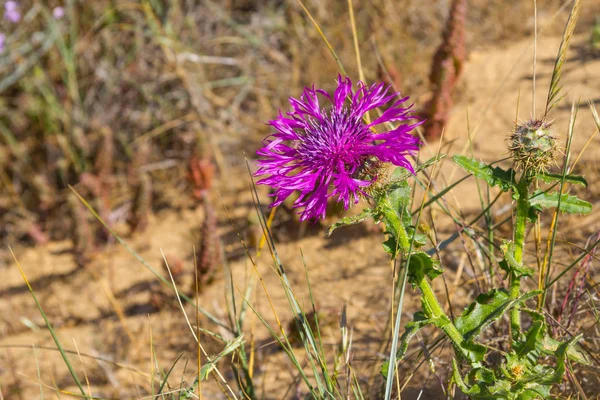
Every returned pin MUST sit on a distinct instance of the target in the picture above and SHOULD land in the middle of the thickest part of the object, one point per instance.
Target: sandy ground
(114, 308)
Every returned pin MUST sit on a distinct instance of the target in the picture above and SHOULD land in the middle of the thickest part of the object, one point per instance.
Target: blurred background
(150, 110)
(111, 96)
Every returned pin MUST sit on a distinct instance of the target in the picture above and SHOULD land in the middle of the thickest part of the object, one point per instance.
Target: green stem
(520, 224)
(393, 222)
(434, 311)
(405, 245)
(431, 305)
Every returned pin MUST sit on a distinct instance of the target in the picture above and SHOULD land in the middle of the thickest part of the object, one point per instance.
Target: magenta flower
(319, 151)
(58, 12)
(11, 11)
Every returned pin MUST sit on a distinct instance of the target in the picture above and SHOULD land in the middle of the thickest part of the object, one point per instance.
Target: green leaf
(478, 390)
(549, 178)
(532, 337)
(494, 176)
(548, 345)
(399, 199)
(460, 382)
(421, 264)
(569, 204)
(393, 210)
(49, 326)
(561, 357)
(510, 264)
(352, 220)
(166, 377)
(535, 393)
(487, 308)
(419, 321)
(391, 245)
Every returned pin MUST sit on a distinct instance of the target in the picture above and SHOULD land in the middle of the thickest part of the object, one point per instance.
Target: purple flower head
(58, 12)
(11, 11)
(2, 41)
(321, 151)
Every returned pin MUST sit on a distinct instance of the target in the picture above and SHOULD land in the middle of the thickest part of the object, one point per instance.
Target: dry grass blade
(546, 269)
(561, 59)
(50, 329)
(318, 28)
(361, 73)
(39, 375)
(211, 364)
(595, 115)
(142, 261)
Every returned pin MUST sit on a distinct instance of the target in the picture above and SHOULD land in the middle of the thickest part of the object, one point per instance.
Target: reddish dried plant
(141, 184)
(83, 234)
(200, 175)
(446, 69)
(209, 252)
(142, 204)
(201, 172)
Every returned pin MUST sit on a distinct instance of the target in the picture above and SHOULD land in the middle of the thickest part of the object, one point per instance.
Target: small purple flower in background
(11, 11)
(316, 149)
(2, 41)
(58, 12)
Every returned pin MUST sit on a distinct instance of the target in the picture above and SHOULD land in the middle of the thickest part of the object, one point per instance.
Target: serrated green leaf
(548, 345)
(549, 178)
(494, 176)
(561, 357)
(510, 264)
(487, 308)
(460, 382)
(568, 203)
(473, 352)
(421, 264)
(352, 220)
(536, 392)
(393, 210)
(532, 337)
(391, 246)
(479, 381)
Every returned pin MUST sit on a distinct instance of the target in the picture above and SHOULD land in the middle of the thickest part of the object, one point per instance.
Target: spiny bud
(533, 146)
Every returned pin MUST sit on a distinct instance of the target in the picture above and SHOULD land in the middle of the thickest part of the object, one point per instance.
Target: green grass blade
(164, 382)
(565, 171)
(306, 334)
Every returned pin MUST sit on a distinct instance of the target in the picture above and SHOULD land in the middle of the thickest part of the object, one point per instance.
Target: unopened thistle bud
(533, 146)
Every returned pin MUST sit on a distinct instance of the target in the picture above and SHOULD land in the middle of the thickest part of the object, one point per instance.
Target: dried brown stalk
(446, 69)
(209, 252)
